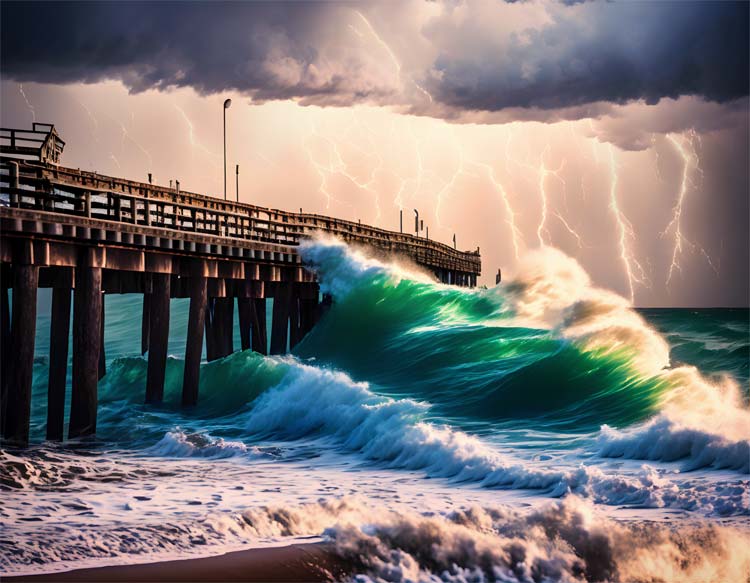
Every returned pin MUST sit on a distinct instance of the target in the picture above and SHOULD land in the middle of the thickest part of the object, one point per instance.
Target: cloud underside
(474, 61)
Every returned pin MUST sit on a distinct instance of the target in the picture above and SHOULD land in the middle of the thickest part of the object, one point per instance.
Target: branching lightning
(334, 166)
(194, 143)
(687, 150)
(448, 186)
(391, 54)
(570, 230)
(544, 174)
(126, 135)
(28, 103)
(625, 234)
(516, 235)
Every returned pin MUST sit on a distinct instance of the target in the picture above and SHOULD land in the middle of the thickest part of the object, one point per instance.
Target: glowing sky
(616, 132)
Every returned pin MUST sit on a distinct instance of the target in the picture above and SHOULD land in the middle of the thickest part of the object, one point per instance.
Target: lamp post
(227, 103)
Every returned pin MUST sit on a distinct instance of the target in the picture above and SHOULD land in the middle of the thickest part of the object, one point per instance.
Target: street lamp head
(227, 103)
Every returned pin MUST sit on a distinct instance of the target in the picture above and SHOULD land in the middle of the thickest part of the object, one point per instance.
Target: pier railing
(51, 188)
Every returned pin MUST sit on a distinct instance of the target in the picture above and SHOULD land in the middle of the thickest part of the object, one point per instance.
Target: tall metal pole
(225, 151)
(227, 103)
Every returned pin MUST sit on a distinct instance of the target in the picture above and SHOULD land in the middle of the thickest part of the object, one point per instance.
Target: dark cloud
(272, 51)
(565, 55)
(613, 52)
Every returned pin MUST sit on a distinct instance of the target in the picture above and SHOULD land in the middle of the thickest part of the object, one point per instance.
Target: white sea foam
(565, 541)
(178, 443)
(314, 402)
(345, 266)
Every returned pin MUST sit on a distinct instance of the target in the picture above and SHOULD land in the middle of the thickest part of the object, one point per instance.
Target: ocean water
(540, 430)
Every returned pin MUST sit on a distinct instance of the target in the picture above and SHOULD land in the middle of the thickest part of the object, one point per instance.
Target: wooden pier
(86, 235)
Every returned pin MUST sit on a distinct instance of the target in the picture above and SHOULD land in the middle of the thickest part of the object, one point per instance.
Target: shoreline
(311, 562)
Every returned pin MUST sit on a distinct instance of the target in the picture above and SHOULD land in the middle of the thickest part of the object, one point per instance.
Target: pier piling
(58, 362)
(259, 334)
(102, 356)
(4, 350)
(280, 320)
(194, 346)
(145, 322)
(87, 312)
(158, 338)
(22, 335)
(245, 309)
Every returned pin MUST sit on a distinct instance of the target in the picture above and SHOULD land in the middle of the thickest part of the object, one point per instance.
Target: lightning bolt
(517, 236)
(417, 180)
(126, 135)
(570, 230)
(324, 170)
(690, 160)
(542, 227)
(633, 270)
(194, 143)
(28, 103)
(449, 185)
(391, 55)
(91, 117)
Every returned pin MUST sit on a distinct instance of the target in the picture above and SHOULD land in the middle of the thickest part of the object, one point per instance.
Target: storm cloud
(443, 60)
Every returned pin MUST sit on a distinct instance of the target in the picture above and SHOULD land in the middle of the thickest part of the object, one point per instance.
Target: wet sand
(303, 562)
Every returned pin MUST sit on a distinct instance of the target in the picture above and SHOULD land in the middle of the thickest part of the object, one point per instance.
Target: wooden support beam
(324, 306)
(224, 326)
(22, 336)
(211, 347)
(295, 334)
(58, 362)
(5, 354)
(87, 313)
(158, 338)
(260, 336)
(245, 308)
(145, 322)
(194, 346)
(308, 308)
(280, 320)
(102, 356)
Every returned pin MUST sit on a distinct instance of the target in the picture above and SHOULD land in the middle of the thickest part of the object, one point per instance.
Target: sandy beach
(305, 562)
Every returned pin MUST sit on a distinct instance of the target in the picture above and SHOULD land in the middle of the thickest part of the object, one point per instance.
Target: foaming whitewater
(566, 541)
(542, 429)
(552, 310)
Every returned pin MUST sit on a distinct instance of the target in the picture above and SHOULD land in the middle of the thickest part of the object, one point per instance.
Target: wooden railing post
(147, 210)
(15, 199)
